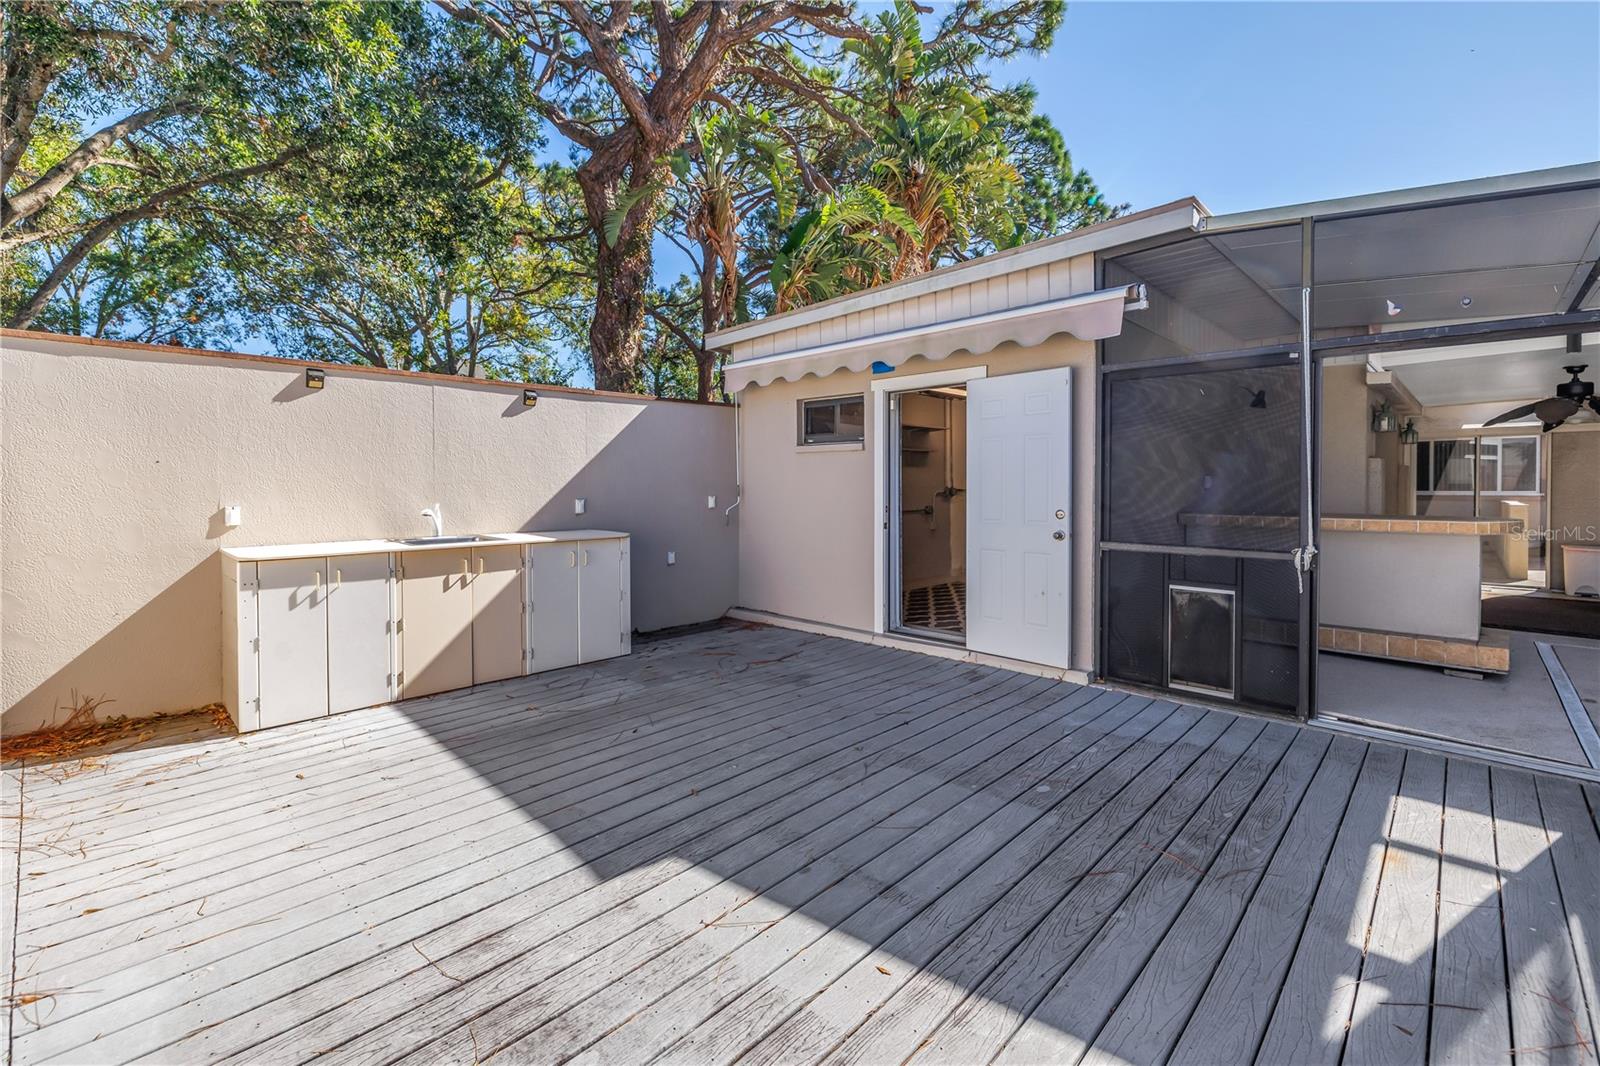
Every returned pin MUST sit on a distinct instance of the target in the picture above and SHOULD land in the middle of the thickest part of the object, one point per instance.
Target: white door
(553, 605)
(1019, 515)
(293, 625)
(358, 631)
(599, 600)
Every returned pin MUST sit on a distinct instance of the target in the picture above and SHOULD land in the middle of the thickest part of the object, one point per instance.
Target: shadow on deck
(754, 844)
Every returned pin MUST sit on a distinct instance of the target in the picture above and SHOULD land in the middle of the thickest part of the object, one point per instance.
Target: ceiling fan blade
(1513, 414)
(1556, 410)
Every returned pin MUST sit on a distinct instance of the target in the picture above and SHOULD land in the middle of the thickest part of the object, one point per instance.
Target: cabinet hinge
(255, 645)
(400, 678)
(400, 626)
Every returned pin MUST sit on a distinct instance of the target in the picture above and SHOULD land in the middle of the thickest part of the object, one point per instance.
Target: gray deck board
(1151, 1015)
(1312, 1010)
(1575, 850)
(758, 844)
(1471, 1017)
(572, 1006)
(1549, 1023)
(1389, 1024)
(555, 938)
(1044, 958)
(1228, 1022)
(617, 819)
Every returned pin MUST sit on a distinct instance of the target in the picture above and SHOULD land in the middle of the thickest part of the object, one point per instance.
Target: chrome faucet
(435, 514)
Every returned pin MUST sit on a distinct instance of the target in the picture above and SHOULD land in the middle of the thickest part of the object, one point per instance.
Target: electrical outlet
(711, 503)
(580, 505)
(672, 558)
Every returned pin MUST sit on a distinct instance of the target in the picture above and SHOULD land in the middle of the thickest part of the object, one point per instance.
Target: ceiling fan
(1570, 398)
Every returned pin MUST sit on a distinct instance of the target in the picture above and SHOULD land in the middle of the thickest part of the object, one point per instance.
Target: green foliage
(847, 242)
(358, 181)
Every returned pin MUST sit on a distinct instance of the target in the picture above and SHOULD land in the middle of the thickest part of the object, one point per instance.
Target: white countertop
(260, 553)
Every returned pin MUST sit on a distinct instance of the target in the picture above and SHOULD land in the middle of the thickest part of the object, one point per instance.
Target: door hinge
(255, 645)
(400, 678)
(400, 625)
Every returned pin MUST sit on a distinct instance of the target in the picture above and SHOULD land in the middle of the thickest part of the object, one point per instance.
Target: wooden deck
(758, 845)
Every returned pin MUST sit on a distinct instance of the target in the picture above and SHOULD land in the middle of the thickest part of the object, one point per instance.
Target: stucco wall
(1346, 439)
(1574, 494)
(118, 460)
(807, 527)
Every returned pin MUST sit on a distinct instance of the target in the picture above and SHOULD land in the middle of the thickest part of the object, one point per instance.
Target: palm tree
(849, 241)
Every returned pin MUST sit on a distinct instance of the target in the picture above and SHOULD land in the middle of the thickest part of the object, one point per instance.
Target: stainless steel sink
(470, 539)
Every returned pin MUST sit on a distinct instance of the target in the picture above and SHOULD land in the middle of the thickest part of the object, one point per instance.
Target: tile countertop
(260, 553)
(1465, 527)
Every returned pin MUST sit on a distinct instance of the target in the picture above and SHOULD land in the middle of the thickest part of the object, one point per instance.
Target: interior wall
(1574, 494)
(927, 542)
(118, 459)
(1345, 438)
(806, 535)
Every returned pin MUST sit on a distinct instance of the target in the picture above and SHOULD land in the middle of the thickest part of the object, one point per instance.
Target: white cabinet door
(553, 605)
(292, 606)
(1019, 515)
(600, 625)
(358, 631)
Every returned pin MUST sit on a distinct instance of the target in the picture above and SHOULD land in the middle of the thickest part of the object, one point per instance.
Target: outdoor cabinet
(496, 587)
(578, 609)
(435, 621)
(360, 670)
(552, 606)
(602, 615)
(292, 630)
(305, 636)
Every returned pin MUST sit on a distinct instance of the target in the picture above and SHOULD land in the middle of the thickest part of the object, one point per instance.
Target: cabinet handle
(480, 564)
(572, 558)
(463, 567)
(586, 557)
(338, 578)
(316, 579)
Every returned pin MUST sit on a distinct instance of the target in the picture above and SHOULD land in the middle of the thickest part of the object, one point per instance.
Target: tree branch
(767, 76)
(152, 206)
(90, 151)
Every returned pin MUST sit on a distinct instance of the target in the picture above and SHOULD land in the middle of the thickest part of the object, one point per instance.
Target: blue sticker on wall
(881, 367)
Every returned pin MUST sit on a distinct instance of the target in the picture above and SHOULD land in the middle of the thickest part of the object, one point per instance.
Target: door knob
(1060, 515)
(1059, 535)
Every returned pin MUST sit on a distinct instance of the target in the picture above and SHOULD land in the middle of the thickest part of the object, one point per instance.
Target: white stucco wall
(117, 461)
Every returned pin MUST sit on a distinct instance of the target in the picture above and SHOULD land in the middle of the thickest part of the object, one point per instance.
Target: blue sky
(1250, 105)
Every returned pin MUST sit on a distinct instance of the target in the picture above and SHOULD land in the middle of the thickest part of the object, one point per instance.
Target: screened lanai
(1389, 536)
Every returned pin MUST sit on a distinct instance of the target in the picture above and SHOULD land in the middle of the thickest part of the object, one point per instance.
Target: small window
(836, 420)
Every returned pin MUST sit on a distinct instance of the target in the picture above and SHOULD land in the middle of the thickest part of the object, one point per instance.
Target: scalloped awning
(1089, 316)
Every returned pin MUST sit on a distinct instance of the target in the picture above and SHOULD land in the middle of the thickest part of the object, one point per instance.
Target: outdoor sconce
(529, 398)
(314, 377)
(1383, 418)
(1409, 435)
